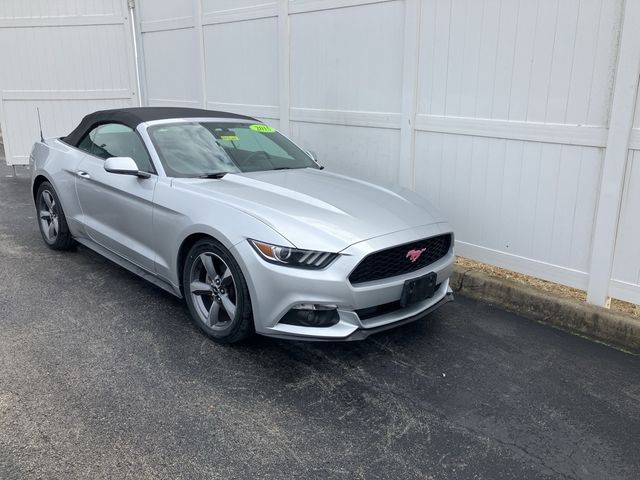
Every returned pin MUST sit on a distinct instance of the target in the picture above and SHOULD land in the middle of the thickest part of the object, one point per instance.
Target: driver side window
(116, 140)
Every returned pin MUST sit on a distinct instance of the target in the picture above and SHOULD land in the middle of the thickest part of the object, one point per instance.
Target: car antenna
(40, 124)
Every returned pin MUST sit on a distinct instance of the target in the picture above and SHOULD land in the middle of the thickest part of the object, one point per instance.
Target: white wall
(68, 58)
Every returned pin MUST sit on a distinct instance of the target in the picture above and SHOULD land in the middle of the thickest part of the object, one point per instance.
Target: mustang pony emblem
(414, 255)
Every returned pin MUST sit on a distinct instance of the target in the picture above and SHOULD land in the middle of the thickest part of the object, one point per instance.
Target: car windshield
(197, 149)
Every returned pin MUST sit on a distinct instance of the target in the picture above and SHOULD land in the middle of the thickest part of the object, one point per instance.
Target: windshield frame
(145, 131)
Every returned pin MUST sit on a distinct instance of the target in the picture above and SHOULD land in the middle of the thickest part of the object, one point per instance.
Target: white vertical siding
(67, 58)
(44, 10)
(346, 63)
(241, 61)
(164, 57)
(527, 205)
(170, 52)
(512, 70)
(339, 67)
(156, 12)
(520, 204)
(532, 61)
(225, 59)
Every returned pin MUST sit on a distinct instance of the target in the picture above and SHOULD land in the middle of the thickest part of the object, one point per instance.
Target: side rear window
(87, 142)
(116, 140)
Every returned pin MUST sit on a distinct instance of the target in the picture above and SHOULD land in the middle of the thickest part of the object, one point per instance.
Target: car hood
(315, 209)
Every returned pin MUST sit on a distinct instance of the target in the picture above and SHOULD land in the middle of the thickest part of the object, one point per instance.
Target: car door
(117, 209)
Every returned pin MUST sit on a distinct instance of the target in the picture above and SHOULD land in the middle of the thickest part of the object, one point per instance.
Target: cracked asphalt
(104, 376)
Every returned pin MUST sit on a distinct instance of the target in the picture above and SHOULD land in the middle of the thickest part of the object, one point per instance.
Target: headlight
(293, 257)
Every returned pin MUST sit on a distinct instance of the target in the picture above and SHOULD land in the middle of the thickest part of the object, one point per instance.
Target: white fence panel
(67, 58)
(241, 61)
(170, 52)
(514, 97)
(212, 54)
(527, 206)
(346, 85)
(497, 111)
(625, 282)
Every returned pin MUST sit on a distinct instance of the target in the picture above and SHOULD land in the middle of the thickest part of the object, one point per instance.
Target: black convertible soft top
(132, 117)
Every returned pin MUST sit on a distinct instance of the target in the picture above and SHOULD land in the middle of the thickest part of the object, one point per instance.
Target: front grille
(396, 261)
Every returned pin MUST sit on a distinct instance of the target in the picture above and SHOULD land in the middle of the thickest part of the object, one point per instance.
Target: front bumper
(275, 289)
(362, 333)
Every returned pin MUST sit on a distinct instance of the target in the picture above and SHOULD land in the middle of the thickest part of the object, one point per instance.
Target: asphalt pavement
(104, 376)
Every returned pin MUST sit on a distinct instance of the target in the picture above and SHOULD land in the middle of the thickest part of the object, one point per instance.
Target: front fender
(179, 214)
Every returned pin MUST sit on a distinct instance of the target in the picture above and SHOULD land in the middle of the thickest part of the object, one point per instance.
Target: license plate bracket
(418, 289)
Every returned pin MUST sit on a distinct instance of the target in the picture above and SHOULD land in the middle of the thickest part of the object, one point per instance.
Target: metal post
(134, 38)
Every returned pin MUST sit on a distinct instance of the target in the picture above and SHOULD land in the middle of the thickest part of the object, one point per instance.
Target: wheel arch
(37, 181)
(184, 248)
(187, 243)
(198, 231)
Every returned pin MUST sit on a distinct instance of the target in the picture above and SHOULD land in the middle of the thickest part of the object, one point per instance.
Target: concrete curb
(596, 323)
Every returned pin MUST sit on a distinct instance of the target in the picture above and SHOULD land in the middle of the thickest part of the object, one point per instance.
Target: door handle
(83, 174)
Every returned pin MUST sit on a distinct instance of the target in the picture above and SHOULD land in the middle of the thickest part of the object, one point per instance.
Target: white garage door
(67, 58)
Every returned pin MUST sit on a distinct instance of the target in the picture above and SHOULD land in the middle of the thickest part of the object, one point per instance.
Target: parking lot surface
(104, 376)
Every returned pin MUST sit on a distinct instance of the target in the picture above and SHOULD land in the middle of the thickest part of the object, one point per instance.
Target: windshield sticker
(232, 138)
(262, 128)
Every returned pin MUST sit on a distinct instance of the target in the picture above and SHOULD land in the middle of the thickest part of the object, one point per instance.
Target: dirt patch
(555, 288)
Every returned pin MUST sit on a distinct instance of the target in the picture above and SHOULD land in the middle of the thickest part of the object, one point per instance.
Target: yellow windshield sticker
(229, 137)
(262, 128)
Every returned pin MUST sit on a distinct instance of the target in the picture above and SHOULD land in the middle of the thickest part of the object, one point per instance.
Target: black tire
(232, 330)
(48, 203)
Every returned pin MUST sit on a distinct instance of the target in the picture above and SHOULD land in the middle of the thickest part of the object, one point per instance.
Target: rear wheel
(51, 220)
(216, 293)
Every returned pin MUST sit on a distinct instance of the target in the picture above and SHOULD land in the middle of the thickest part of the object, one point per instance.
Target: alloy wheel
(49, 216)
(213, 291)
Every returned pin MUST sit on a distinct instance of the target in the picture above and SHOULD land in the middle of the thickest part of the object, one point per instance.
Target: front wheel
(216, 293)
(51, 219)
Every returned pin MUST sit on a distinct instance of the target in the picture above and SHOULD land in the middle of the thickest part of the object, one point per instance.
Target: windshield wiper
(213, 175)
(287, 168)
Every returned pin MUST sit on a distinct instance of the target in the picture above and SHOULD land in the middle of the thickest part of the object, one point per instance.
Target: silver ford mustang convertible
(226, 212)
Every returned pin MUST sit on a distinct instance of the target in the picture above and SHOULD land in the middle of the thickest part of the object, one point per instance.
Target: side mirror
(124, 166)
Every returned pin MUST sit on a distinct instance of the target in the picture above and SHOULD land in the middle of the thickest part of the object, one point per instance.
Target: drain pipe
(136, 60)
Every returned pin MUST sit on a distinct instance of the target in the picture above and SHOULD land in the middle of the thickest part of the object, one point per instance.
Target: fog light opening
(313, 306)
(312, 315)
